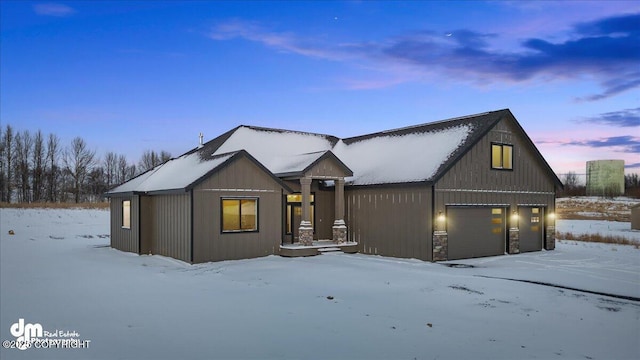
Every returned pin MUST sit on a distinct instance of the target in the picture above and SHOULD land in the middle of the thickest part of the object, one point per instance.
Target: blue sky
(132, 76)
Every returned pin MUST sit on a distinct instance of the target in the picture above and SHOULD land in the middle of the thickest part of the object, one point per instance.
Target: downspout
(433, 210)
(191, 220)
(283, 218)
(139, 224)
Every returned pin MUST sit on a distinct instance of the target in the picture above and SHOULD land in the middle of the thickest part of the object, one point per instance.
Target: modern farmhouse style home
(466, 187)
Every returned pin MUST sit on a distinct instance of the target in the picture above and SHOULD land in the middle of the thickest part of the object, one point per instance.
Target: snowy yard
(602, 227)
(58, 271)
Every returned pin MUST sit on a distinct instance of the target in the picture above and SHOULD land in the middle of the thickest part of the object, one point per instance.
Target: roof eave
(393, 184)
(110, 194)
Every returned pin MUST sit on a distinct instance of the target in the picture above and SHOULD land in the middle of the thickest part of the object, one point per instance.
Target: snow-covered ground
(596, 208)
(621, 200)
(58, 271)
(602, 227)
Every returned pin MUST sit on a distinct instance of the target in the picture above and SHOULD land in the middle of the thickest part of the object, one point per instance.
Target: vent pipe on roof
(201, 142)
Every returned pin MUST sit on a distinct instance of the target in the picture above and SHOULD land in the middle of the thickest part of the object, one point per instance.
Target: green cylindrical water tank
(605, 177)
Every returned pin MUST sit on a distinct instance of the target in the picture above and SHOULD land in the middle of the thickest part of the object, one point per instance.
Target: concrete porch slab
(316, 248)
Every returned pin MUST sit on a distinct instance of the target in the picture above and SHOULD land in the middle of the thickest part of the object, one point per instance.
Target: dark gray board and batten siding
(241, 178)
(160, 224)
(121, 238)
(167, 226)
(472, 181)
(391, 220)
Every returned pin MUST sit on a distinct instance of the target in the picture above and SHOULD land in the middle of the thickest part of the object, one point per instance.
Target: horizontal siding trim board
(498, 191)
(477, 205)
(238, 190)
(387, 186)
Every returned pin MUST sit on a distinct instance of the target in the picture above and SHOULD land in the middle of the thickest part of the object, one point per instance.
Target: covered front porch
(314, 213)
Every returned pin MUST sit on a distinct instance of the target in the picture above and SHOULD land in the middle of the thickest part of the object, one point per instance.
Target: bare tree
(38, 162)
(571, 180)
(96, 182)
(53, 171)
(151, 159)
(164, 156)
(23, 148)
(572, 185)
(131, 172)
(122, 169)
(7, 140)
(110, 165)
(632, 185)
(3, 170)
(78, 162)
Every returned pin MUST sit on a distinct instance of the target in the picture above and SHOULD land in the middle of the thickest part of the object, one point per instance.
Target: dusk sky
(131, 76)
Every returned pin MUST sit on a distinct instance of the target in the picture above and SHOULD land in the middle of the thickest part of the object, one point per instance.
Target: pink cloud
(278, 40)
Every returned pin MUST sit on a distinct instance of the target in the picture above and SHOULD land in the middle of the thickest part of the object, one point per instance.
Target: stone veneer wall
(514, 241)
(550, 242)
(440, 245)
(305, 236)
(340, 234)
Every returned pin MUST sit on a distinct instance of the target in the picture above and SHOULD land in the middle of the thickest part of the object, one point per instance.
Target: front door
(296, 218)
(294, 215)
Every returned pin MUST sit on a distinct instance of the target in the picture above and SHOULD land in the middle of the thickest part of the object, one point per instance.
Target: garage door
(531, 225)
(475, 231)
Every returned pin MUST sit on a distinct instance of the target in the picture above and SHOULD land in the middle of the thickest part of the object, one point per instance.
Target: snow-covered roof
(178, 173)
(397, 158)
(274, 148)
(294, 163)
(410, 154)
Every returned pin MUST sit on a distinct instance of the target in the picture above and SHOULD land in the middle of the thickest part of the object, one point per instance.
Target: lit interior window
(239, 215)
(501, 156)
(126, 214)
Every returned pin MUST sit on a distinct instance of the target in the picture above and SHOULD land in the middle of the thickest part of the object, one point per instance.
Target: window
(502, 156)
(240, 214)
(126, 214)
(294, 211)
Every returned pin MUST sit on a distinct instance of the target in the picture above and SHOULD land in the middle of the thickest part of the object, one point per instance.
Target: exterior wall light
(552, 216)
(514, 216)
(440, 221)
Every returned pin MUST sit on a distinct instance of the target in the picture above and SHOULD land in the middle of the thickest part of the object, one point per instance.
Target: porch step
(329, 249)
(317, 249)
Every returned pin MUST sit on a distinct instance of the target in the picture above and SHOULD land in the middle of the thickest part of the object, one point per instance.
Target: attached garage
(531, 223)
(476, 231)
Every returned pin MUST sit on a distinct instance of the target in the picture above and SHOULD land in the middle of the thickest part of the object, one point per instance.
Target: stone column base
(305, 233)
(339, 232)
(440, 245)
(550, 242)
(514, 241)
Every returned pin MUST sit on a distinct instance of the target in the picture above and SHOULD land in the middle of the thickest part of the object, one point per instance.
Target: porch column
(306, 229)
(339, 226)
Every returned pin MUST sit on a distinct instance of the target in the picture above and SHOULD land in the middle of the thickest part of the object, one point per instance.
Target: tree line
(39, 168)
(574, 187)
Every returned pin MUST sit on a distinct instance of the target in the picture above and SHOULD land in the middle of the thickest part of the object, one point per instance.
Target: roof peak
(278, 130)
